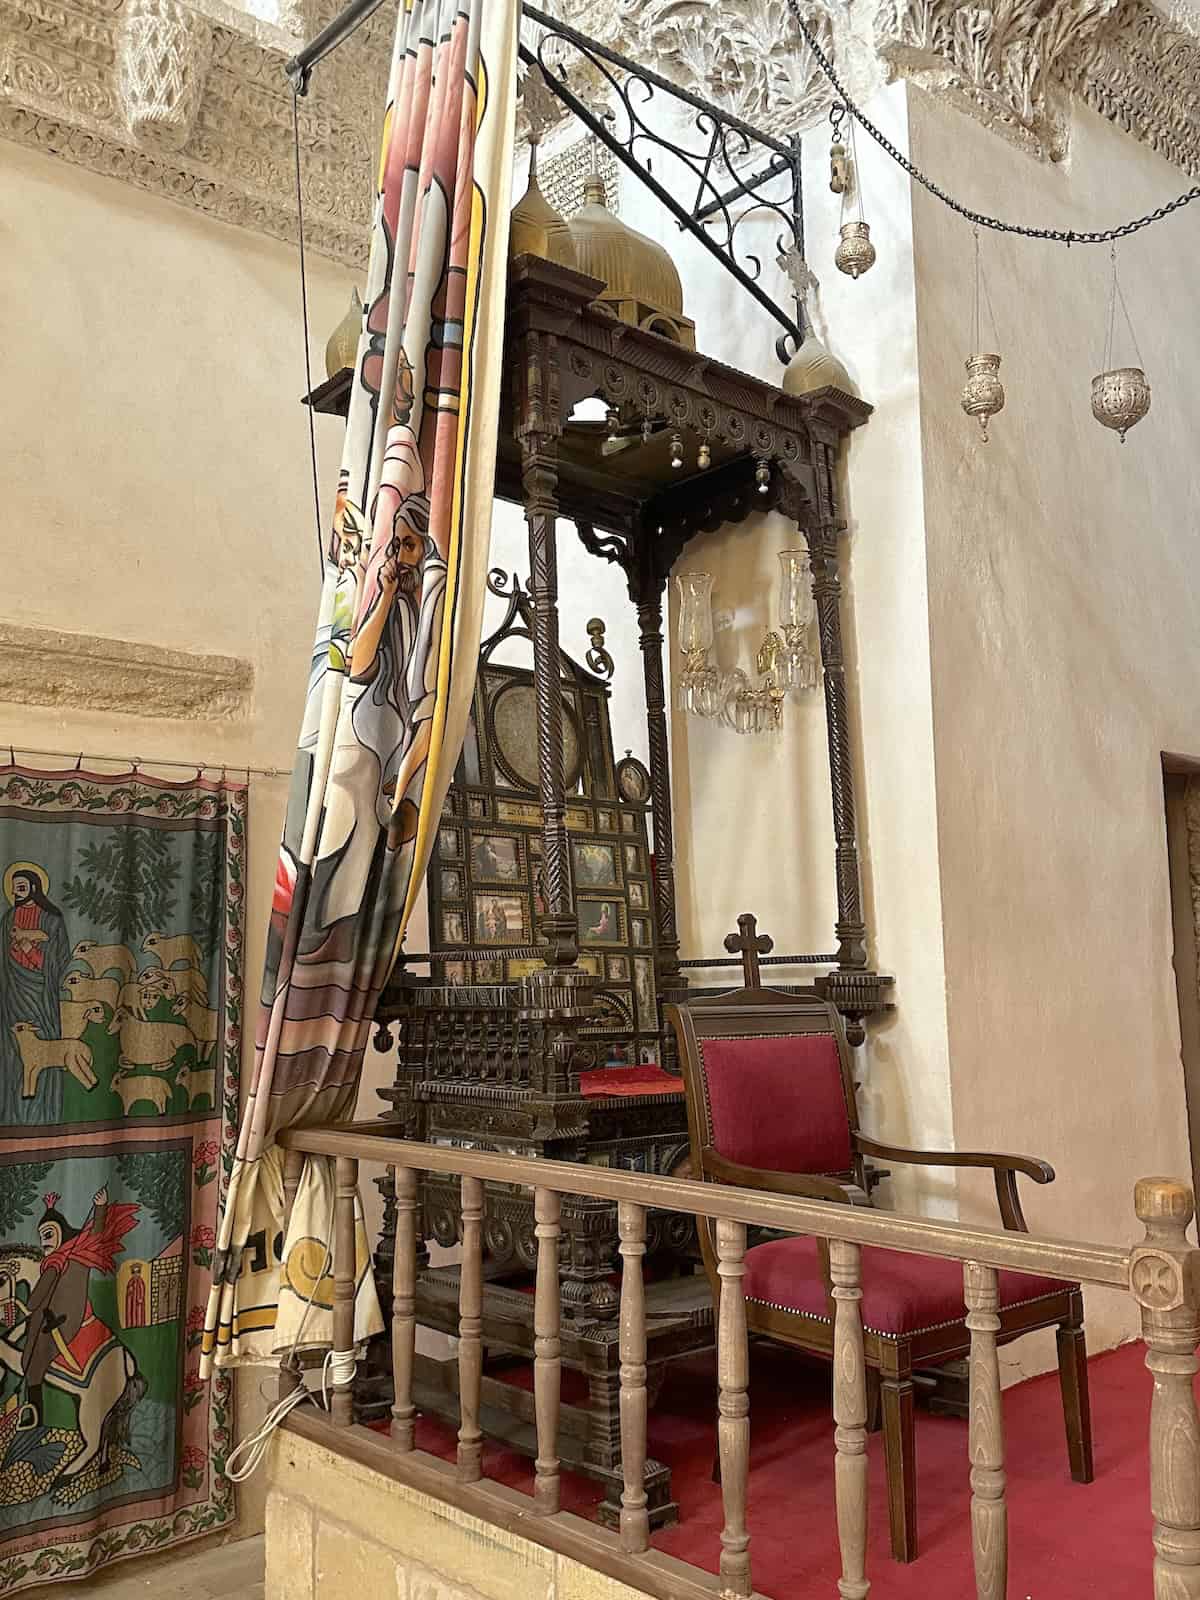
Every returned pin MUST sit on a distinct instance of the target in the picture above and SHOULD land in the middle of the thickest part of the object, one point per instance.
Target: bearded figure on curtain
(372, 801)
(35, 953)
(393, 666)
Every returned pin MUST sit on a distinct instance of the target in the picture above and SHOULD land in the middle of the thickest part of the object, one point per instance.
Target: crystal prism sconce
(785, 664)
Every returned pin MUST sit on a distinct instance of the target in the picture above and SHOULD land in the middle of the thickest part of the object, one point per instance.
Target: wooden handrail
(1162, 1273)
(928, 1236)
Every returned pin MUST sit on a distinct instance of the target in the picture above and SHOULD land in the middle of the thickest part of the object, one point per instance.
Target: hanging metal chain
(1116, 296)
(1067, 236)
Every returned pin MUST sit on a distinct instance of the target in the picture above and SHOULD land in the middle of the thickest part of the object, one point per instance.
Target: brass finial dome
(630, 265)
(341, 348)
(813, 367)
(641, 282)
(535, 227)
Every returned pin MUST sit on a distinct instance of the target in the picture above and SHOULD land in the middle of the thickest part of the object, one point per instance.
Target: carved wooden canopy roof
(632, 506)
(563, 346)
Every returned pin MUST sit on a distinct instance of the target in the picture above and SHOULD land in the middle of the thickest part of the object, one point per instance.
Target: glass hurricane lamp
(797, 664)
(699, 682)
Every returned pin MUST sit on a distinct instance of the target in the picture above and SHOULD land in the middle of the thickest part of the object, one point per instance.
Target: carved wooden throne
(477, 1067)
(709, 446)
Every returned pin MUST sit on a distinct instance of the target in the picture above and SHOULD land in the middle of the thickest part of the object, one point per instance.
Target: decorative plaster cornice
(743, 55)
(43, 667)
(187, 98)
(1004, 64)
(1144, 75)
(1013, 64)
(1016, 65)
(190, 102)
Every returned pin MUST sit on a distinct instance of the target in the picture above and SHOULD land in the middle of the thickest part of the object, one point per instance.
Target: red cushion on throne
(778, 1102)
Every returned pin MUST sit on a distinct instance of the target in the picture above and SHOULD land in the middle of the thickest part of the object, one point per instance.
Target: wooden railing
(1162, 1273)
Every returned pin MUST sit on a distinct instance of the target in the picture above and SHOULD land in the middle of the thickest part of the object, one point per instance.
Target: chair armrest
(801, 1185)
(1003, 1167)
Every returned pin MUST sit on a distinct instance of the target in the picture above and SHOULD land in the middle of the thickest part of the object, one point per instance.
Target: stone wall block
(441, 1544)
(290, 1531)
(79, 671)
(349, 1565)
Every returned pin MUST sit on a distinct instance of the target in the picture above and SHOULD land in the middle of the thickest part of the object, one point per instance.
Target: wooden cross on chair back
(768, 1082)
(752, 944)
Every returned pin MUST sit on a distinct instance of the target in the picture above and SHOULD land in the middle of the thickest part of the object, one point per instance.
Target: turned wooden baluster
(547, 1368)
(470, 1331)
(1164, 1274)
(345, 1284)
(404, 1304)
(850, 1416)
(989, 1509)
(293, 1165)
(635, 1520)
(733, 1426)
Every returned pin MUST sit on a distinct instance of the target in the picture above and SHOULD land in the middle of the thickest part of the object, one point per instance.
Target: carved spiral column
(650, 632)
(850, 928)
(539, 480)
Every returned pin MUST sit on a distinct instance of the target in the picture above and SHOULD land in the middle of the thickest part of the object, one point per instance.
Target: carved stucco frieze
(187, 98)
(1008, 63)
(743, 55)
(1013, 64)
(190, 102)
(46, 667)
(1144, 75)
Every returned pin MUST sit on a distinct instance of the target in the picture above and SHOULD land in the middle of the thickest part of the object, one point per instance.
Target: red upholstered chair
(770, 1102)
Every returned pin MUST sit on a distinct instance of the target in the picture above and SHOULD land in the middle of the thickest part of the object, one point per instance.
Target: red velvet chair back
(768, 1082)
(775, 1102)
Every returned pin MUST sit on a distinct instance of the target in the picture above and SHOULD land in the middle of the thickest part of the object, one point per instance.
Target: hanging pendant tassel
(983, 393)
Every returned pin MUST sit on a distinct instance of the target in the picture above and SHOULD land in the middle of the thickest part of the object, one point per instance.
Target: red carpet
(1067, 1541)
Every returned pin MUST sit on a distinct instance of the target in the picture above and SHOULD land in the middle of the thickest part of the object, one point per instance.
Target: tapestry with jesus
(120, 1028)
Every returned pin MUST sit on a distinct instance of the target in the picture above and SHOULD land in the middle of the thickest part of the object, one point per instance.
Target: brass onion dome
(535, 228)
(341, 349)
(631, 266)
(813, 367)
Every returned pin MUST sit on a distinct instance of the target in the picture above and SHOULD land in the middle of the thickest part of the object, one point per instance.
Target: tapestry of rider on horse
(65, 1344)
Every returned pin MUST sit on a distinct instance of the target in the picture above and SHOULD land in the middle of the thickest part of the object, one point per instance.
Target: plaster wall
(1065, 631)
(753, 821)
(158, 487)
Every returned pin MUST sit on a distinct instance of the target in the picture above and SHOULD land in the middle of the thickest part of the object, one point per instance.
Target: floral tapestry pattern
(120, 1031)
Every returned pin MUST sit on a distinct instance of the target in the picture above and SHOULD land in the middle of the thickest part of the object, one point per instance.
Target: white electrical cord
(341, 1363)
(256, 1445)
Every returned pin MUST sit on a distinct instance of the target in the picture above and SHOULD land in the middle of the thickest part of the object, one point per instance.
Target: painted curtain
(396, 646)
(120, 1033)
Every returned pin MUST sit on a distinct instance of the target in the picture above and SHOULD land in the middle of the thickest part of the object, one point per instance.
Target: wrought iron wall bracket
(730, 145)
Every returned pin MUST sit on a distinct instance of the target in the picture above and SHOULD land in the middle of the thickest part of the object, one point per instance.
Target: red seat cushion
(777, 1102)
(902, 1294)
